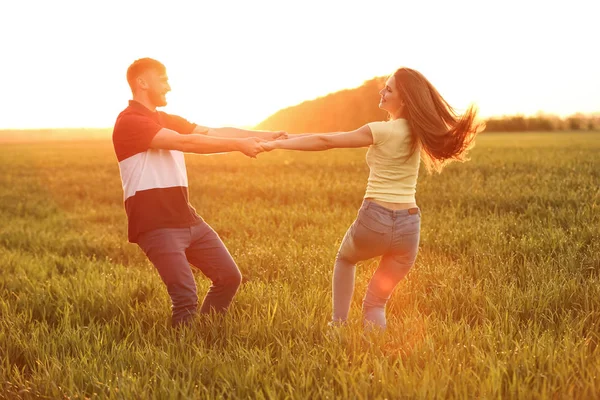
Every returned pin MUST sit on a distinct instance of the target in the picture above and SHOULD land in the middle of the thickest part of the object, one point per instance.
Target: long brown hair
(444, 135)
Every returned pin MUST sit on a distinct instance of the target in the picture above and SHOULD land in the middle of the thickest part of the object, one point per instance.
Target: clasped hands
(255, 145)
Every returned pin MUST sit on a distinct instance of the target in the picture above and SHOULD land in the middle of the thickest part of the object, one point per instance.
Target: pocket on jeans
(158, 240)
(146, 241)
(409, 225)
(373, 221)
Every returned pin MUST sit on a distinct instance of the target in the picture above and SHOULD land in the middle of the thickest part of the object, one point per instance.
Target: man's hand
(251, 146)
(275, 135)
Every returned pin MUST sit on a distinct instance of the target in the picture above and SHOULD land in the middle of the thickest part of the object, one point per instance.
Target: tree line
(351, 108)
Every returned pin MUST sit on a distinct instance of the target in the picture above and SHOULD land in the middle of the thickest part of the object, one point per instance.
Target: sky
(234, 63)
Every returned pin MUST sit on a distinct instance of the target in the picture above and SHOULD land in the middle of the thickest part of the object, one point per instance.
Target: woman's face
(390, 98)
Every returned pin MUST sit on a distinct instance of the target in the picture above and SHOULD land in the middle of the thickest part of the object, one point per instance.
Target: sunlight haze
(236, 63)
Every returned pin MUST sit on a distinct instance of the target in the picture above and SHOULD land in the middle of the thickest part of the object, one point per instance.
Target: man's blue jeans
(172, 250)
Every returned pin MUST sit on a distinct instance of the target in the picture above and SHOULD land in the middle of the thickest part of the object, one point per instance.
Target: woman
(421, 125)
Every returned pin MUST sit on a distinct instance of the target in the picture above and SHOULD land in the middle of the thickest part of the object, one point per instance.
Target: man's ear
(142, 82)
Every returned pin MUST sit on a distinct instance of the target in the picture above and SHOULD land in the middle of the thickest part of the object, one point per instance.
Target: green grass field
(504, 301)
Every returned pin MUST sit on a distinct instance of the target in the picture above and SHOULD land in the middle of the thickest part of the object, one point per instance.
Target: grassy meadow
(504, 300)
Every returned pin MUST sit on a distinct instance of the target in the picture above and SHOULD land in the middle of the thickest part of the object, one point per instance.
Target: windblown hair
(444, 135)
(140, 66)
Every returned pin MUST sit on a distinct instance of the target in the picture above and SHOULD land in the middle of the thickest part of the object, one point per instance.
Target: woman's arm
(361, 137)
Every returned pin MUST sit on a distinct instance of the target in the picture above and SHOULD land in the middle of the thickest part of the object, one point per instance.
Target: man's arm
(238, 133)
(203, 144)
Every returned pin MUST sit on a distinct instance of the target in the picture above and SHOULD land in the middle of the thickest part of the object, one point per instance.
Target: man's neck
(145, 102)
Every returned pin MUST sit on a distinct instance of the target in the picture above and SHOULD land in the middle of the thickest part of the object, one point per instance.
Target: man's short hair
(141, 65)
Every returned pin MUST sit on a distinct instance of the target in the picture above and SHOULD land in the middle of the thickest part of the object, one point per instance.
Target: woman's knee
(343, 259)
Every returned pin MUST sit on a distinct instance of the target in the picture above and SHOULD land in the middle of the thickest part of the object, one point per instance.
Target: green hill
(339, 111)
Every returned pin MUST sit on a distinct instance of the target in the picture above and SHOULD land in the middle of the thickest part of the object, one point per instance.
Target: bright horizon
(236, 63)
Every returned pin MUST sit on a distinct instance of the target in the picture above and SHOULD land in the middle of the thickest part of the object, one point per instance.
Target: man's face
(156, 85)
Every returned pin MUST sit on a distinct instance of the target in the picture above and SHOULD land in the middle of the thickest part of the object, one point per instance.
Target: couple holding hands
(149, 146)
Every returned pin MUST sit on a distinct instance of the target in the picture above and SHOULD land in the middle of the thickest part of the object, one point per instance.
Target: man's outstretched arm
(205, 144)
(238, 133)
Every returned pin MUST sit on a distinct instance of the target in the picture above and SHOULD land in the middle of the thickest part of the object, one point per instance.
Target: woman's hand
(251, 146)
(268, 146)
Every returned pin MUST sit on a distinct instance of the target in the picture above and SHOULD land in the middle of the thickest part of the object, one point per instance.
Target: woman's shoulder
(390, 126)
(399, 121)
(389, 123)
(382, 130)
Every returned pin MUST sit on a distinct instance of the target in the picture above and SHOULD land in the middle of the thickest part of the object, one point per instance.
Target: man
(149, 146)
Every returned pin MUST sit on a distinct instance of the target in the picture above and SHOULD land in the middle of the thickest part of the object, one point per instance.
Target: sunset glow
(236, 63)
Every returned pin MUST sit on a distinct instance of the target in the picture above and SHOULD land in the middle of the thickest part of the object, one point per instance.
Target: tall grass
(504, 301)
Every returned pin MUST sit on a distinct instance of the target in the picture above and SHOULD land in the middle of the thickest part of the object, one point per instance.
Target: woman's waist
(390, 205)
(395, 186)
(393, 198)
